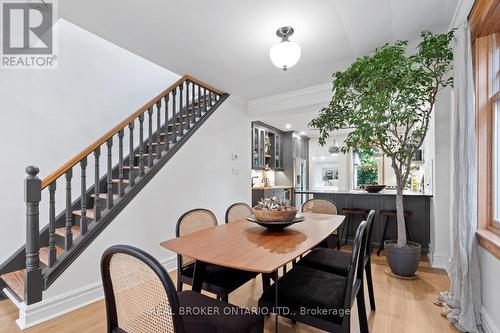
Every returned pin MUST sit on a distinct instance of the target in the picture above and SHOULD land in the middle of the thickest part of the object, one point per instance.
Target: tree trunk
(400, 215)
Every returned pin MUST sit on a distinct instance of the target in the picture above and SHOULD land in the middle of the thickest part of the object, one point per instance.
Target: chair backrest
(140, 296)
(191, 221)
(238, 211)
(355, 265)
(369, 231)
(320, 206)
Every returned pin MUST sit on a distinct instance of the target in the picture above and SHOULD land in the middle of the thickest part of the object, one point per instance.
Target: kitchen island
(418, 204)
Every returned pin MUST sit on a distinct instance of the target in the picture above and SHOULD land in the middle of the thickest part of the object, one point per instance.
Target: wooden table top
(247, 246)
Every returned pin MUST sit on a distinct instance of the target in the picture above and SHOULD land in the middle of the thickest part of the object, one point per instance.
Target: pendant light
(285, 54)
(335, 149)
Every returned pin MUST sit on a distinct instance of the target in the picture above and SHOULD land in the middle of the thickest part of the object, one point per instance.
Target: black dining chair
(321, 299)
(337, 262)
(218, 280)
(140, 297)
(238, 211)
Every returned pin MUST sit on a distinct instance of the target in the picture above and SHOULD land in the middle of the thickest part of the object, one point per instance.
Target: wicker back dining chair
(191, 221)
(238, 211)
(323, 206)
(218, 280)
(320, 206)
(140, 297)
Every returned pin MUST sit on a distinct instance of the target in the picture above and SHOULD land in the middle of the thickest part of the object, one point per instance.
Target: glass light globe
(285, 54)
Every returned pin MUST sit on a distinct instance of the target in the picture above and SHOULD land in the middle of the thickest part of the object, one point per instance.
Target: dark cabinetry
(266, 148)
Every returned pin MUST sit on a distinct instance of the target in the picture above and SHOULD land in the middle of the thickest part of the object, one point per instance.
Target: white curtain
(464, 298)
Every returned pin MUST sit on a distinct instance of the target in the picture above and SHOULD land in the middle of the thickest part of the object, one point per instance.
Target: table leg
(276, 299)
(198, 275)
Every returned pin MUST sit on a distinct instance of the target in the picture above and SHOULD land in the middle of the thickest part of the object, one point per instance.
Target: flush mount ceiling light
(285, 54)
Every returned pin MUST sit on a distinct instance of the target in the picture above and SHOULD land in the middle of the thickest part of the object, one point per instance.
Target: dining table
(247, 246)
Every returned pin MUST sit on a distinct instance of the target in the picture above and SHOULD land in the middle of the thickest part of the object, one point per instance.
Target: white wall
(343, 161)
(490, 285)
(48, 116)
(438, 149)
(201, 174)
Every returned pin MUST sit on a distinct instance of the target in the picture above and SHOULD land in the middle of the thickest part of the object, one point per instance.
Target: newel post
(33, 283)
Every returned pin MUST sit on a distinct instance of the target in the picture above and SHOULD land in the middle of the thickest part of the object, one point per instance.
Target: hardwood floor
(402, 306)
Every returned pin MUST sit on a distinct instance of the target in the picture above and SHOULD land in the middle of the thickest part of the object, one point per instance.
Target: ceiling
(226, 42)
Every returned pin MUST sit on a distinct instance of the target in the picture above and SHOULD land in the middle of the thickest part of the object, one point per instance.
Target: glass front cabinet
(266, 148)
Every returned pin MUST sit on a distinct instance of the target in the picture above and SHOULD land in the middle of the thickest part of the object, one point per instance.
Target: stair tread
(116, 181)
(156, 143)
(104, 196)
(74, 229)
(89, 213)
(127, 167)
(44, 254)
(15, 282)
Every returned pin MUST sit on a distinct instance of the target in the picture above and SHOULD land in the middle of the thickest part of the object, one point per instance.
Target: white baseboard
(439, 261)
(488, 324)
(31, 315)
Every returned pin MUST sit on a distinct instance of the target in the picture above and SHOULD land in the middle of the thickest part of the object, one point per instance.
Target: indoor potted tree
(387, 99)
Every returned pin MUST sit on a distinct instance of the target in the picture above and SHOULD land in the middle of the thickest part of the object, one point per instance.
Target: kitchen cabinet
(266, 147)
(258, 150)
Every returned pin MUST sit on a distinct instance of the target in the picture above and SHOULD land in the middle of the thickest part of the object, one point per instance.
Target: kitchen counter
(270, 187)
(416, 203)
(359, 192)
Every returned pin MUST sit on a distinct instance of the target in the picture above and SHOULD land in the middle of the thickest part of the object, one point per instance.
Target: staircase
(152, 135)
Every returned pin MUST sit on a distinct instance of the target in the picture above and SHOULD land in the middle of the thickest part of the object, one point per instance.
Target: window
(495, 102)
(484, 21)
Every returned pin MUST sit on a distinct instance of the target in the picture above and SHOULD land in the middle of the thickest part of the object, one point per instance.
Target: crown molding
(315, 95)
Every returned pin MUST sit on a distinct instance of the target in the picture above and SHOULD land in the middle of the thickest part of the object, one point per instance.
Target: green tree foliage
(387, 98)
(368, 170)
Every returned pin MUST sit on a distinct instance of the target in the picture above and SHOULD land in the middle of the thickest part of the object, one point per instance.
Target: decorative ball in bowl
(274, 214)
(285, 215)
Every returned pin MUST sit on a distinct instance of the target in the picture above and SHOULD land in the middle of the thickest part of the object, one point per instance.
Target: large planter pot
(403, 261)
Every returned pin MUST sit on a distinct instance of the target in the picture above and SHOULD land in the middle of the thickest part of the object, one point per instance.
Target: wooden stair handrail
(87, 151)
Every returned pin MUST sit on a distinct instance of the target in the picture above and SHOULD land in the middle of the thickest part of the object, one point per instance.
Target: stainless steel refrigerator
(300, 180)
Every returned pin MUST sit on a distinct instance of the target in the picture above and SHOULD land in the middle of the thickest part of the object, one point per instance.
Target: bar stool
(387, 214)
(349, 214)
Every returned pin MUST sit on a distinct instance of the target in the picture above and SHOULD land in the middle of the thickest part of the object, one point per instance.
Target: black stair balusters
(175, 115)
(83, 200)
(109, 198)
(141, 147)
(131, 156)
(68, 240)
(166, 138)
(97, 192)
(158, 130)
(121, 188)
(150, 137)
(52, 224)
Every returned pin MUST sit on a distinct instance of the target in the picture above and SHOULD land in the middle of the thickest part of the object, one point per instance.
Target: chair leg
(381, 245)
(369, 282)
(266, 281)
(363, 320)
(179, 284)
(345, 229)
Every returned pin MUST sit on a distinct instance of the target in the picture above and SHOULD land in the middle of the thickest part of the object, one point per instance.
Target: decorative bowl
(374, 188)
(276, 225)
(275, 215)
